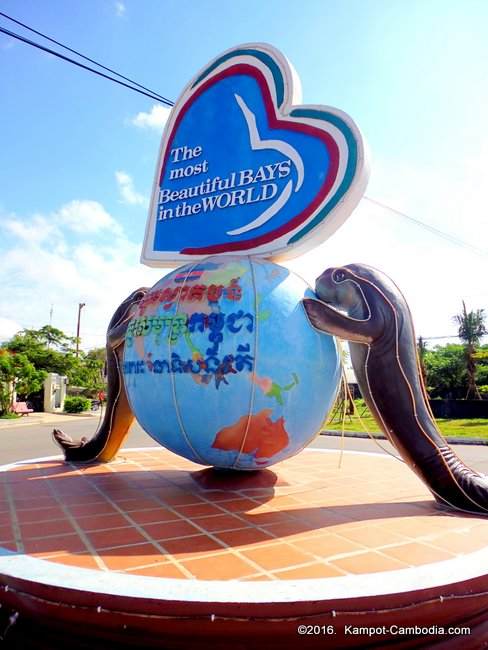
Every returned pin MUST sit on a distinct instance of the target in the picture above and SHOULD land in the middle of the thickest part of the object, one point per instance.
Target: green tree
(51, 350)
(18, 374)
(48, 348)
(481, 356)
(87, 370)
(96, 360)
(471, 327)
(445, 368)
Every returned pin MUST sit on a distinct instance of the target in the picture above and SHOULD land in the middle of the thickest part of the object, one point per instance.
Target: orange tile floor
(155, 514)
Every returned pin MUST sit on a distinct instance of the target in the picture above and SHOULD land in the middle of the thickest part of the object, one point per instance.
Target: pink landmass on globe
(264, 383)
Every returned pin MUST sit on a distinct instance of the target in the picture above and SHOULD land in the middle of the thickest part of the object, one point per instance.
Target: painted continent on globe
(222, 366)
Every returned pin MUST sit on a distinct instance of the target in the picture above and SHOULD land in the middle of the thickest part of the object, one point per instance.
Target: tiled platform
(307, 529)
(153, 513)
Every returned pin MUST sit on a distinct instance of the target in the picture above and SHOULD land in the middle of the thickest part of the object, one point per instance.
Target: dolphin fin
(327, 319)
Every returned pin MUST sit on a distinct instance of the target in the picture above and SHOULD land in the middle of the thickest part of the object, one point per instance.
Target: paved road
(32, 440)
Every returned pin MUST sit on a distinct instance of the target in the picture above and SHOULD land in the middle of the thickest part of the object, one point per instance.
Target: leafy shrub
(76, 404)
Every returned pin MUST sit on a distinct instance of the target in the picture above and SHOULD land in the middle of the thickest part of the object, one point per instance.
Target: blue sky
(78, 153)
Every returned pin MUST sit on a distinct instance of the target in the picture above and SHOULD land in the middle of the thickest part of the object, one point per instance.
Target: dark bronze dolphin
(118, 414)
(378, 325)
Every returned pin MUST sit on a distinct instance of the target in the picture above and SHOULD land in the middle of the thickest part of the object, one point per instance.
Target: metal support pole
(80, 307)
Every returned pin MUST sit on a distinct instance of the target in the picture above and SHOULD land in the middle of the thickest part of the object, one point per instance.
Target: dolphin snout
(324, 287)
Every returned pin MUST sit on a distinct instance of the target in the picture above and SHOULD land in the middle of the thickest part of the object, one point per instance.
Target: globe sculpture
(222, 366)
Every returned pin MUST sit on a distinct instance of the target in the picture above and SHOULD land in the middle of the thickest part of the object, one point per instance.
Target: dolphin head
(340, 288)
(360, 290)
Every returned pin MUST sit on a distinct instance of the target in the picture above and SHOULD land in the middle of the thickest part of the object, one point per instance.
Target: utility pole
(50, 325)
(80, 307)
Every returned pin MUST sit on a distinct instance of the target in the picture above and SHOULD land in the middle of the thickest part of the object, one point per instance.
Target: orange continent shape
(264, 438)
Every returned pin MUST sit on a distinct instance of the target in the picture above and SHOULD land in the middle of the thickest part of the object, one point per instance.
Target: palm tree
(471, 327)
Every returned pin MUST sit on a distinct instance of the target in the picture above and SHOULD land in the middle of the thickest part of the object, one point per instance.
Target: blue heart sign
(243, 169)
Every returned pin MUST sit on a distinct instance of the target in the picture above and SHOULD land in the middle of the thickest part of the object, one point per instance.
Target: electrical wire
(441, 233)
(85, 67)
(169, 102)
(137, 87)
(87, 58)
(449, 336)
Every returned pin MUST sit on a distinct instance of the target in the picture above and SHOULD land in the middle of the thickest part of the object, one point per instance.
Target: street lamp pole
(80, 307)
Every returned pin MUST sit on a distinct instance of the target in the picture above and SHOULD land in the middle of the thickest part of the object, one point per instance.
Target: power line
(441, 233)
(83, 56)
(431, 338)
(160, 98)
(157, 98)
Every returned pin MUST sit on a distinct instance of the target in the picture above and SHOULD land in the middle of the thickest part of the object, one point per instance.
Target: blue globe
(223, 367)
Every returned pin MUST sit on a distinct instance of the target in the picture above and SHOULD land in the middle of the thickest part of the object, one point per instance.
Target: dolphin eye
(339, 276)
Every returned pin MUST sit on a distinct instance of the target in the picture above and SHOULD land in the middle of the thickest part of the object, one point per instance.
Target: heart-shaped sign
(244, 170)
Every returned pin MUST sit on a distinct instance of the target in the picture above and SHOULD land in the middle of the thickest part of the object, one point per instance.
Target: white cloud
(39, 271)
(119, 8)
(127, 190)
(79, 216)
(8, 328)
(156, 118)
(86, 217)
(38, 229)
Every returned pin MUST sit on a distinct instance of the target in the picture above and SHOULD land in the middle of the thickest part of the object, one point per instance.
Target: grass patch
(473, 428)
(10, 416)
(462, 428)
